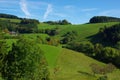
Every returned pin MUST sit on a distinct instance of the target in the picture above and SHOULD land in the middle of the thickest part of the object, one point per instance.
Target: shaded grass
(11, 20)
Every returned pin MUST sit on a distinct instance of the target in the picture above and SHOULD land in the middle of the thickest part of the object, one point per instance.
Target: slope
(85, 31)
(66, 64)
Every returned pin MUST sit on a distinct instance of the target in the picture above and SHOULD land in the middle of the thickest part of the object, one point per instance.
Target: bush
(96, 69)
(69, 37)
(103, 78)
(85, 47)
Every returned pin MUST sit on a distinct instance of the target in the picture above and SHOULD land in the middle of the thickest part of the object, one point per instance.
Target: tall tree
(25, 62)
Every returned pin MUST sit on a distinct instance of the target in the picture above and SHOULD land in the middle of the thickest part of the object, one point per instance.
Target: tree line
(97, 51)
(25, 26)
(102, 19)
(60, 22)
(8, 16)
(110, 34)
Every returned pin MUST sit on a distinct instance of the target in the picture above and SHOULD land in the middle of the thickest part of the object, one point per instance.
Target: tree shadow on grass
(87, 74)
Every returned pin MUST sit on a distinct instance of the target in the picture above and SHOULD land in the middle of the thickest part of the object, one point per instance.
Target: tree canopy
(111, 34)
(101, 19)
(60, 22)
(8, 16)
(25, 61)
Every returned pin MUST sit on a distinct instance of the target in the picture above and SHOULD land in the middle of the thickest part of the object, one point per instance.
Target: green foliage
(5, 24)
(103, 78)
(3, 53)
(111, 34)
(101, 19)
(29, 21)
(85, 47)
(51, 32)
(64, 22)
(117, 46)
(25, 61)
(8, 16)
(25, 26)
(109, 53)
(60, 22)
(97, 69)
(69, 37)
(97, 51)
(52, 41)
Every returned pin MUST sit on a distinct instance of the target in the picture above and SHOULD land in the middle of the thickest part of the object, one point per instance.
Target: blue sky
(75, 11)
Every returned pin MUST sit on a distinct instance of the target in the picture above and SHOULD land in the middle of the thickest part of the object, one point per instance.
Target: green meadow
(65, 64)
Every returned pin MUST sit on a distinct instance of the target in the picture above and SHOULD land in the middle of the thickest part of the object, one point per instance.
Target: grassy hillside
(52, 53)
(72, 65)
(66, 64)
(34, 36)
(85, 31)
(11, 20)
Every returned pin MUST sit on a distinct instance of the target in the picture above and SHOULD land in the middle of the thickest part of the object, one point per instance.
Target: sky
(75, 11)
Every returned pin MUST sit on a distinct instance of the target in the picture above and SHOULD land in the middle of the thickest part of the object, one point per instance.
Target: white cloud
(24, 8)
(68, 7)
(110, 13)
(59, 14)
(48, 11)
(89, 9)
(6, 9)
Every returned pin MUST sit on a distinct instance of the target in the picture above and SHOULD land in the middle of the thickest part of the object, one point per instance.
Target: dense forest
(103, 19)
(110, 34)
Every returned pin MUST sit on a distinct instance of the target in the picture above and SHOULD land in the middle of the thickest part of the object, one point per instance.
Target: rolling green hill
(71, 65)
(65, 64)
(85, 31)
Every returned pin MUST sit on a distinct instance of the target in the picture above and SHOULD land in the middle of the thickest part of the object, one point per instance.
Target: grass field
(72, 65)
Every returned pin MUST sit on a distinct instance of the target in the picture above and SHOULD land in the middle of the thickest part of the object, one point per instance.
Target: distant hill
(8, 16)
(102, 19)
